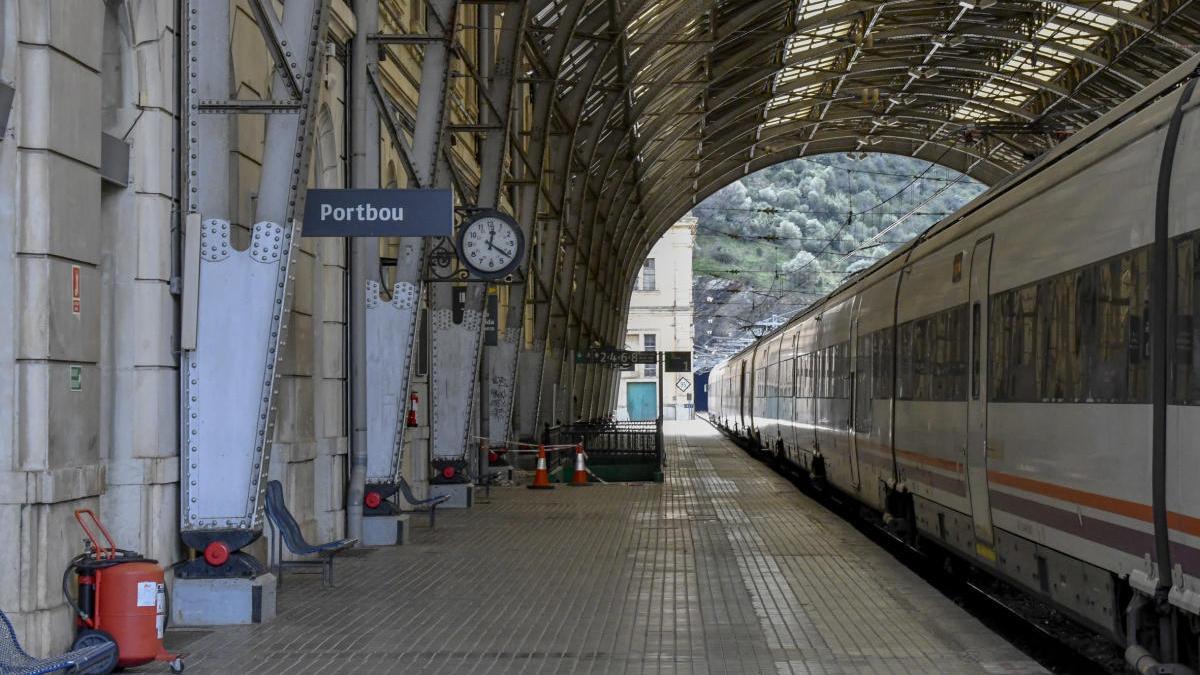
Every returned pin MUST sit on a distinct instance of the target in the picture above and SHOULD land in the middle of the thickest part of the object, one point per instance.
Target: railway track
(1057, 642)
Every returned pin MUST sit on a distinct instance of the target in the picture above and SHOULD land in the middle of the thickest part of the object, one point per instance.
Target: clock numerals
(490, 245)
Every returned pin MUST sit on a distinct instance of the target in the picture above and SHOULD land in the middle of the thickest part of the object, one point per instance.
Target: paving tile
(724, 569)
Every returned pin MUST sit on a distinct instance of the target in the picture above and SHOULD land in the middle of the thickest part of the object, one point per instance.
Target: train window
(824, 374)
(787, 377)
(1066, 354)
(1015, 357)
(864, 376)
(922, 389)
(801, 365)
(881, 364)
(841, 363)
(932, 359)
(810, 368)
(975, 360)
(1185, 381)
(904, 362)
(831, 372)
(1121, 367)
(820, 377)
(1075, 337)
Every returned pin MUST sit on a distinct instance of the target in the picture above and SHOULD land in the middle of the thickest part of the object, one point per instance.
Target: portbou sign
(379, 213)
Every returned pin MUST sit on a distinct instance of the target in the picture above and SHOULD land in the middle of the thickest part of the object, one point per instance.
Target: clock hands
(497, 248)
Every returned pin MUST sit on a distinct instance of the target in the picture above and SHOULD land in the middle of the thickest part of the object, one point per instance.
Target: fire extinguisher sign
(76, 305)
(147, 594)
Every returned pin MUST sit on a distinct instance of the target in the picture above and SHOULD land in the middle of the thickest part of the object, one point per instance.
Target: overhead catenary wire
(780, 299)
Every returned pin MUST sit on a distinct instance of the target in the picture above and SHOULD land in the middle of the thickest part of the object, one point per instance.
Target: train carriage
(1000, 373)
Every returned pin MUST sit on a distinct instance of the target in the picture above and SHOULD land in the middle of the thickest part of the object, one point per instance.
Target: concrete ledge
(223, 602)
(462, 495)
(385, 530)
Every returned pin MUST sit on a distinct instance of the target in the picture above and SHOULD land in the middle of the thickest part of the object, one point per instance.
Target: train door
(852, 422)
(977, 478)
(742, 394)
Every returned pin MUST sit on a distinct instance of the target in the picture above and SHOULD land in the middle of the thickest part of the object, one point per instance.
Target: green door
(642, 401)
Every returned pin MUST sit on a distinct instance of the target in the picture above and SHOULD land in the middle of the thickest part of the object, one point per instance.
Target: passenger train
(1020, 385)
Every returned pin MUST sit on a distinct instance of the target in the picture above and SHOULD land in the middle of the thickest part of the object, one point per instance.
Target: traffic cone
(581, 472)
(541, 477)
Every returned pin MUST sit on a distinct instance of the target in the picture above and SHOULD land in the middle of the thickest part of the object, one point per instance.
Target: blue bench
(290, 534)
(430, 504)
(14, 660)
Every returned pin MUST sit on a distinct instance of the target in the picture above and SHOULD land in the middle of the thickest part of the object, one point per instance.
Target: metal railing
(611, 439)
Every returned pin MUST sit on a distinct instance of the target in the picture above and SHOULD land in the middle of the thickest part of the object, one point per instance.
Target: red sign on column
(75, 305)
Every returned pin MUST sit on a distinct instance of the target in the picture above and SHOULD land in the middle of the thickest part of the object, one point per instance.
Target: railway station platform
(723, 568)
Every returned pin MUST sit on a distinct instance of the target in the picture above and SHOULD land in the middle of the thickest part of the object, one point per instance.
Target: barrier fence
(627, 450)
(615, 451)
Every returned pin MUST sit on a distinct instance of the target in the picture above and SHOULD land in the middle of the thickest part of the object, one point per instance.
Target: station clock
(490, 244)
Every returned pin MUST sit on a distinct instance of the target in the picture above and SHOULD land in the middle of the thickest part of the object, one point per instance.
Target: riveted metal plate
(267, 242)
(454, 363)
(214, 240)
(389, 342)
(228, 380)
(502, 382)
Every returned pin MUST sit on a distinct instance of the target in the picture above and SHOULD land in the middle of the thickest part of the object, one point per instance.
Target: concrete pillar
(50, 351)
(138, 370)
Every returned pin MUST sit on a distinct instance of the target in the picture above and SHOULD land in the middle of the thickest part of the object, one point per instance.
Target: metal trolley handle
(102, 552)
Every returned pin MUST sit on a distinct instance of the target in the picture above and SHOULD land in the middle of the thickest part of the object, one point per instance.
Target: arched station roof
(661, 102)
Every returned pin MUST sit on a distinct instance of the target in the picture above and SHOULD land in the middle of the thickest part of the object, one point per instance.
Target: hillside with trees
(773, 242)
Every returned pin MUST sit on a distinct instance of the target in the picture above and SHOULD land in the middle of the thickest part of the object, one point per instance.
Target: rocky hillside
(773, 242)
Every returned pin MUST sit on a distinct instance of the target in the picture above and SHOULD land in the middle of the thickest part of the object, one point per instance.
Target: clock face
(490, 245)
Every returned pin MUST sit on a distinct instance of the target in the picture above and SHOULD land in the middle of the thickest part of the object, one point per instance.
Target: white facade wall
(665, 312)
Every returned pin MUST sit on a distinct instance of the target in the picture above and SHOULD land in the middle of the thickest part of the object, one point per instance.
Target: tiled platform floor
(725, 568)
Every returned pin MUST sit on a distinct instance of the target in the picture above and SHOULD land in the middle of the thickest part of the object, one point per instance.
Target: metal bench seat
(14, 660)
(429, 504)
(289, 533)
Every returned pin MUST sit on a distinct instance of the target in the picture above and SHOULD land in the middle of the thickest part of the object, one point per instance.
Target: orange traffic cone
(581, 472)
(541, 477)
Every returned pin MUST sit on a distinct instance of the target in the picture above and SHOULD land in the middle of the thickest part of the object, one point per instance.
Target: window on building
(646, 281)
(649, 344)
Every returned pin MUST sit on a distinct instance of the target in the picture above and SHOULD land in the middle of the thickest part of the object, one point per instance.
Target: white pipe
(364, 253)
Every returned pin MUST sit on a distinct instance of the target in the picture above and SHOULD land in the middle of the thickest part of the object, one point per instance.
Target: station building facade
(661, 319)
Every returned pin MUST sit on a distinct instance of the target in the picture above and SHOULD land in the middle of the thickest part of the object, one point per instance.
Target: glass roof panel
(1044, 59)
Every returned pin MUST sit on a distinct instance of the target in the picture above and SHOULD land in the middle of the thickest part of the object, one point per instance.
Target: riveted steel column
(241, 298)
(456, 316)
(500, 366)
(428, 169)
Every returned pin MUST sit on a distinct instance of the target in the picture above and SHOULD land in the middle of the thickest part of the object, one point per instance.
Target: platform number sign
(618, 358)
